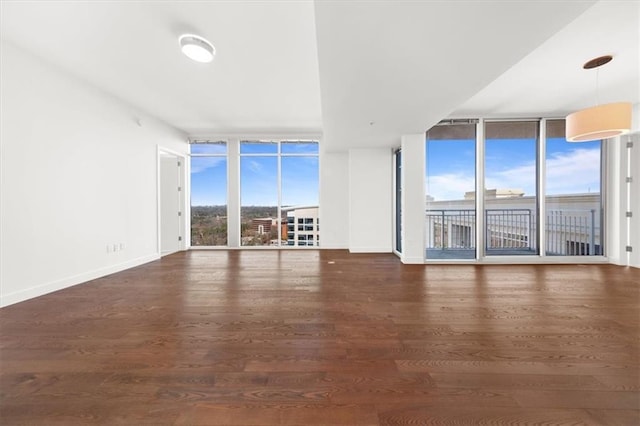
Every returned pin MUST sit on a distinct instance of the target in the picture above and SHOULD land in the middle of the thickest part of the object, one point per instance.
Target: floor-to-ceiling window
(259, 195)
(573, 201)
(279, 193)
(209, 194)
(510, 185)
(541, 194)
(299, 194)
(450, 221)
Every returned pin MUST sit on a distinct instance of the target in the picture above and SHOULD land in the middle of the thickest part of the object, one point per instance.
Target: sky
(208, 181)
(258, 175)
(571, 168)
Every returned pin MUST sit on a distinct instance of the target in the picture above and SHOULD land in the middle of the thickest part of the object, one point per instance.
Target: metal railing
(451, 229)
(568, 232)
(510, 229)
(572, 233)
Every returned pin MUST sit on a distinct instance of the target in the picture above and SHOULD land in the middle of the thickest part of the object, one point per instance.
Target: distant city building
(495, 193)
(263, 225)
(302, 226)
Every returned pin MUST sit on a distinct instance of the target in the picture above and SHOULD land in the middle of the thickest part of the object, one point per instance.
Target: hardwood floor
(326, 337)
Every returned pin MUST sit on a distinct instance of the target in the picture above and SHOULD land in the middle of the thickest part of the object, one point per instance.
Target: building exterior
(302, 226)
(262, 225)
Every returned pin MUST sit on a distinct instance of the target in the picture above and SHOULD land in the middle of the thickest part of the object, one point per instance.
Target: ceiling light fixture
(197, 48)
(601, 121)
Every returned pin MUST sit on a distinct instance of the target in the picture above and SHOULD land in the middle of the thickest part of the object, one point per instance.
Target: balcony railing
(451, 229)
(510, 229)
(514, 231)
(573, 232)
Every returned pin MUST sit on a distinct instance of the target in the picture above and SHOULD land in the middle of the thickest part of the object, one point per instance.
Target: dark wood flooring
(326, 337)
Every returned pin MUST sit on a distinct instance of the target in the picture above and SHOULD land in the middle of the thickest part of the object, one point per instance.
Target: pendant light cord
(598, 86)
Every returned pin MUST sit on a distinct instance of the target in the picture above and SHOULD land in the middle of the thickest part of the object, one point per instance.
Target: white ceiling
(362, 73)
(551, 81)
(264, 76)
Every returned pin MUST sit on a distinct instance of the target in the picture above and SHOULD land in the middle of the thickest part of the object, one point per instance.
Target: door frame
(183, 220)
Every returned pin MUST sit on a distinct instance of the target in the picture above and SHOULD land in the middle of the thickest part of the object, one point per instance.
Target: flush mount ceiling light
(601, 121)
(197, 48)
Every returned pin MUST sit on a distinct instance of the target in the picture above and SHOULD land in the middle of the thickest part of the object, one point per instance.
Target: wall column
(413, 198)
(370, 200)
(233, 193)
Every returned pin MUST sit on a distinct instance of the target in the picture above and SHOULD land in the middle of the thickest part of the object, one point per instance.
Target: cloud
(574, 172)
(255, 166)
(450, 186)
(201, 164)
(570, 172)
(519, 177)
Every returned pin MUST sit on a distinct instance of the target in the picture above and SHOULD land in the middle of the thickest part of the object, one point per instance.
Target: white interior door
(633, 188)
(170, 203)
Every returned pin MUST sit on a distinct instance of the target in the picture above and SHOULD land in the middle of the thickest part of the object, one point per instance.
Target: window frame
(541, 185)
(279, 155)
(189, 186)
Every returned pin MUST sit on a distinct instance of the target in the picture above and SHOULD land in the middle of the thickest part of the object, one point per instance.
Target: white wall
(334, 200)
(413, 198)
(78, 174)
(370, 200)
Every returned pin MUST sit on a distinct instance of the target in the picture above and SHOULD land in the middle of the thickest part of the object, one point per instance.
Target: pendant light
(601, 121)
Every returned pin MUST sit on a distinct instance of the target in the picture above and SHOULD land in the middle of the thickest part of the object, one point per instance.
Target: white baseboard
(412, 260)
(370, 250)
(42, 289)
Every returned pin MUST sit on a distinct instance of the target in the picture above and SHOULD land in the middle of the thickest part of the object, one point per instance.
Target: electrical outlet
(108, 248)
(115, 247)
(121, 246)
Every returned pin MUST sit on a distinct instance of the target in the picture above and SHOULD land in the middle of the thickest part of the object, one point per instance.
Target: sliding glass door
(541, 194)
(450, 220)
(573, 197)
(398, 199)
(510, 200)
